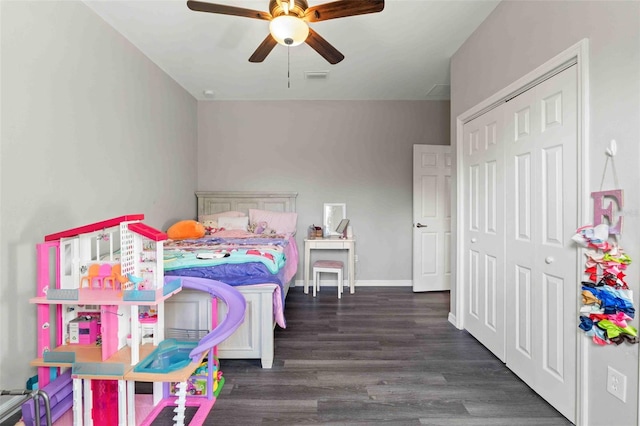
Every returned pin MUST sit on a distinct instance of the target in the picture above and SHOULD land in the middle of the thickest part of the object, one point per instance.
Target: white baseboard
(362, 283)
(452, 319)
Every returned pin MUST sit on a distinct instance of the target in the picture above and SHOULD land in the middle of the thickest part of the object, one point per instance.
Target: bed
(191, 310)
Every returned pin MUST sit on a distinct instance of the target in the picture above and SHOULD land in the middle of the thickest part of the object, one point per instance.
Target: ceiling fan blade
(200, 6)
(264, 49)
(342, 9)
(323, 47)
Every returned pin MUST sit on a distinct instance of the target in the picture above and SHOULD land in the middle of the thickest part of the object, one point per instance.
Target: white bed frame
(254, 338)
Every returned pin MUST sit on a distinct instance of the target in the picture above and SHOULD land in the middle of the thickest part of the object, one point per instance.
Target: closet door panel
(474, 288)
(553, 208)
(491, 292)
(541, 174)
(522, 326)
(552, 326)
(522, 197)
(483, 169)
(521, 231)
(557, 256)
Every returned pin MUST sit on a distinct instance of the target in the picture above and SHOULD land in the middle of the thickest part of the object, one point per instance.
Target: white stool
(330, 266)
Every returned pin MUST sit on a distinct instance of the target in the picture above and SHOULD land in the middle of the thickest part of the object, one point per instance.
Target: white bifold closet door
(541, 274)
(483, 168)
(521, 273)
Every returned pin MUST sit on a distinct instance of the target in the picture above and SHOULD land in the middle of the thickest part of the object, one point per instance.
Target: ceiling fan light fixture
(289, 30)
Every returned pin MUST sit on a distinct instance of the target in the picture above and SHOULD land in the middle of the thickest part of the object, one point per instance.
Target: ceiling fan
(288, 22)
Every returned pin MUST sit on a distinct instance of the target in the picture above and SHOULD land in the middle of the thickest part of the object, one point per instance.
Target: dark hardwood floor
(379, 356)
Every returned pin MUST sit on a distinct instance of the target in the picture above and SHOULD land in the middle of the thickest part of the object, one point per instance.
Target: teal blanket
(272, 259)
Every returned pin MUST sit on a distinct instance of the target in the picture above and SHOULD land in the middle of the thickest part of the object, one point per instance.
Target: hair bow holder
(606, 298)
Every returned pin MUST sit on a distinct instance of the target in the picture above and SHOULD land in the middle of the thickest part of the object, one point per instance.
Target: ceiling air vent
(316, 75)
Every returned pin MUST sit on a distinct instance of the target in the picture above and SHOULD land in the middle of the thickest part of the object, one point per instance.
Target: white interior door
(541, 184)
(431, 217)
(484, 239)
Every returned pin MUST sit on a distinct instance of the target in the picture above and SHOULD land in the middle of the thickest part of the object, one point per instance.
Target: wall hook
(613, 148)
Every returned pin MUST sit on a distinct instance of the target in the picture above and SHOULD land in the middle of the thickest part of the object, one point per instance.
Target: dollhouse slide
(236, 305)
(174, 354)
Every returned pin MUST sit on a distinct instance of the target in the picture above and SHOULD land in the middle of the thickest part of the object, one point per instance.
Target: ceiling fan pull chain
(288, 67)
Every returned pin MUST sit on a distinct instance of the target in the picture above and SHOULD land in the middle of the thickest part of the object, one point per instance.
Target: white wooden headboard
(210, 202)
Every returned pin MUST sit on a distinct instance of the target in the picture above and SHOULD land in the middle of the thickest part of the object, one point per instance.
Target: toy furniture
(327, 266)
(96, 275)
(98, 372)
(116, 280)
(83, 330)
(348, 244)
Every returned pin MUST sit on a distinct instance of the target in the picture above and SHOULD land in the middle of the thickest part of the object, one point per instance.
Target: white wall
(521, 35)
(91, 129)
(353, 152)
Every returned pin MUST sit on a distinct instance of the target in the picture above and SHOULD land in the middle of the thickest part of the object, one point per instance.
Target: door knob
(549, 260)
(473, 240)
(419, 225)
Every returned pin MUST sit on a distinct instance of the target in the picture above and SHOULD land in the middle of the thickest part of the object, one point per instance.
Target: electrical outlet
(617, 384)
(355, 258)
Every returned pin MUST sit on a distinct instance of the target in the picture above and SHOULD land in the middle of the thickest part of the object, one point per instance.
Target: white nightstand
(348, 244)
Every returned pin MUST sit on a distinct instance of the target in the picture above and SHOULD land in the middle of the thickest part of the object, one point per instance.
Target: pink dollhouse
(100, 316)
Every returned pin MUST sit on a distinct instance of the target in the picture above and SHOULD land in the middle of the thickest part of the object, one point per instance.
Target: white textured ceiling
(401, 53)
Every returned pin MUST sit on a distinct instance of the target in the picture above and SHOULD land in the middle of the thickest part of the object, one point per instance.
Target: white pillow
(234, 222)
(281, 222)
(231, 213)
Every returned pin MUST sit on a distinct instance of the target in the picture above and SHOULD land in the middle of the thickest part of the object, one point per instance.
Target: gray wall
(521, 35)
(353, 152)
(91, 129)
